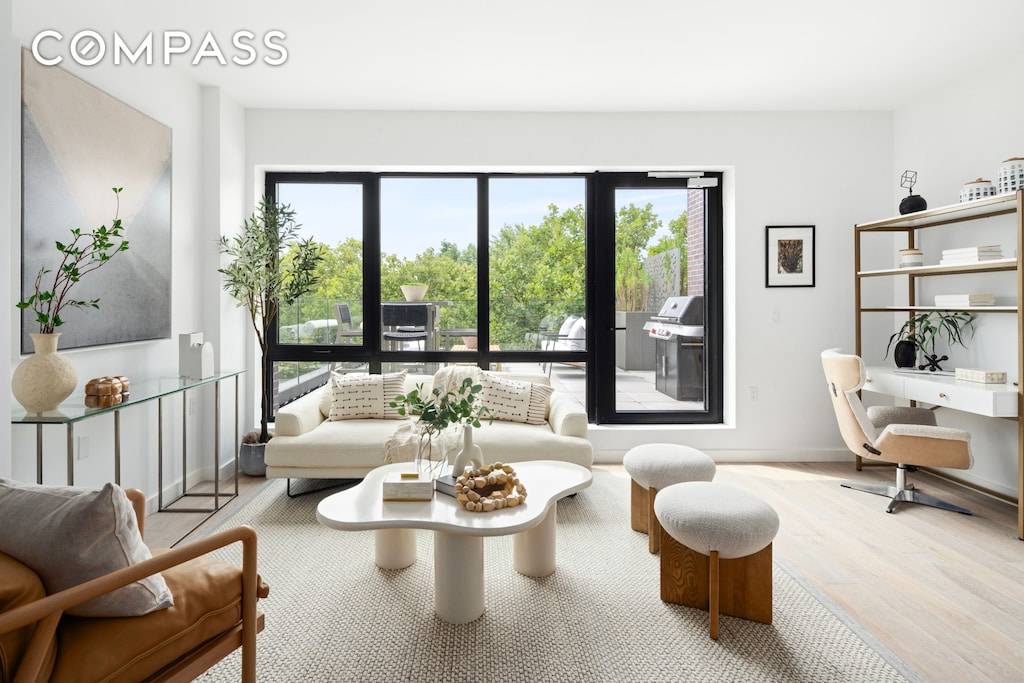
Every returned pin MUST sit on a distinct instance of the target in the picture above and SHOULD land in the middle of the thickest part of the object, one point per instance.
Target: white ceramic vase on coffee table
(458, 533)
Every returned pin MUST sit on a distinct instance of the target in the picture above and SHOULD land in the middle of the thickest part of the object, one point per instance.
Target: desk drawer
(970, 398)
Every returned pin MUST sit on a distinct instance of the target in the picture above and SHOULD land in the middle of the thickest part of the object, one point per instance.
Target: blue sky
(417, 213)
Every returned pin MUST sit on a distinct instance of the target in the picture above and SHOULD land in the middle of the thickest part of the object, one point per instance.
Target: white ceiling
(571, 55)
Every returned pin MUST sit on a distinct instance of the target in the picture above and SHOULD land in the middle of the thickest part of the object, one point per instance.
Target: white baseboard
(811, 455)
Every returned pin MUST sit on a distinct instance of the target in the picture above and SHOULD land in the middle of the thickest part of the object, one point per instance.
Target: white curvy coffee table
(458, 533)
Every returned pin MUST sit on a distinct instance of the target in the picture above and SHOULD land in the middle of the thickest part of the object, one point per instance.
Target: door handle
(615, 329)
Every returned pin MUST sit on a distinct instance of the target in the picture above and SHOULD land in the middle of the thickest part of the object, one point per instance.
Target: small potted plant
(441, 409)
(919, 333)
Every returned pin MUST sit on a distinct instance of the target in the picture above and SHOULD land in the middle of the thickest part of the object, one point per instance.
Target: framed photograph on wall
(789, 256)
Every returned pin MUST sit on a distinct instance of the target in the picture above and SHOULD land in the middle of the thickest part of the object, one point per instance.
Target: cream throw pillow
(514, 401)
(361, 396)
(71, 535)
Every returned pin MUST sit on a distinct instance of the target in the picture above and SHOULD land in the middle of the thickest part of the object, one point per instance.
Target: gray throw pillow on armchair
(70, 535)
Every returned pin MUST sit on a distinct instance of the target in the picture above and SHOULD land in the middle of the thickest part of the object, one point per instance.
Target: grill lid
(684, 310)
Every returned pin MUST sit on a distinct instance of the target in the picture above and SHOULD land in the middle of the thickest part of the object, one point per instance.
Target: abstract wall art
(77, 143)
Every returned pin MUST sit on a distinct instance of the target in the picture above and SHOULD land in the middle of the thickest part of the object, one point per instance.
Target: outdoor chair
(345, 328)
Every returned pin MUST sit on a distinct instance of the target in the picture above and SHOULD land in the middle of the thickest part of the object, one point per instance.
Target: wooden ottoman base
(641, 514)
(740, 587)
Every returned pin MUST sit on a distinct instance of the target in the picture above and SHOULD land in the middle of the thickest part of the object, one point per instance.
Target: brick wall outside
(694, 242)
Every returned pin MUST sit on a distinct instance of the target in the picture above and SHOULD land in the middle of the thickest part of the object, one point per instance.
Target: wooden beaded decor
(491, 487)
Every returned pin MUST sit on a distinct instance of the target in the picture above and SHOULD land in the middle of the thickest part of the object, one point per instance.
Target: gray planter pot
(250, 459)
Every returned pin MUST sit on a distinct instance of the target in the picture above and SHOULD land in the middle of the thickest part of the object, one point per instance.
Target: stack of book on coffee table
(964, 255)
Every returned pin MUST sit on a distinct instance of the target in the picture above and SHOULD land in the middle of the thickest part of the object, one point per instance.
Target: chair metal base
(904, 495)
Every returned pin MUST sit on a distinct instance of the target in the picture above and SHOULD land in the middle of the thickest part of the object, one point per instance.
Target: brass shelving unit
(909, 224)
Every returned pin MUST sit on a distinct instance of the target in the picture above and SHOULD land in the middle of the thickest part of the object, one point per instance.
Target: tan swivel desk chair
(901, 435)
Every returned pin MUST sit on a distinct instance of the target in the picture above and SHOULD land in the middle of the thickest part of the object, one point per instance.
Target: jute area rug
(333, 615)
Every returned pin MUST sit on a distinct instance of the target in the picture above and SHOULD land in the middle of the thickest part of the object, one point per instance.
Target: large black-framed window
(500, 301)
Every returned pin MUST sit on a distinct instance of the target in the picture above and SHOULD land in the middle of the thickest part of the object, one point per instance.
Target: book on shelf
(956, 300)
(963, 260)
(973, 251)
(965, 255)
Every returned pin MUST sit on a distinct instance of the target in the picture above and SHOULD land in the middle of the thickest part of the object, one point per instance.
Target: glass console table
(74, 410)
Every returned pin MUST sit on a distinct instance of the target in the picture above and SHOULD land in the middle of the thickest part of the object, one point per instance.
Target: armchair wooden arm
(47, 612)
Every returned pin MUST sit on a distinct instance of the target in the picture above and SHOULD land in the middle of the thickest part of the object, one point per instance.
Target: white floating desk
(993, 400)
(990, 400)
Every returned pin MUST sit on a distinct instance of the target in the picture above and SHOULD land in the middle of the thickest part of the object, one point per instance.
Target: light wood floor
(944, 591)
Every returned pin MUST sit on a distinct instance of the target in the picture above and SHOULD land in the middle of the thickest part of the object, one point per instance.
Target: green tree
(676, 239)
(537, 271)
(634, 228)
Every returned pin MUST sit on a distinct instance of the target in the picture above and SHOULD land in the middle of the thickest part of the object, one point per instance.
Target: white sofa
(306, 445)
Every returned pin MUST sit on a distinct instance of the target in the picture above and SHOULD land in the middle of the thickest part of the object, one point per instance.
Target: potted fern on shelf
(920, 332)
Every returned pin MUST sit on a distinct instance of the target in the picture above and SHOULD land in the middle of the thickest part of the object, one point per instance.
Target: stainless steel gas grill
(678, 331)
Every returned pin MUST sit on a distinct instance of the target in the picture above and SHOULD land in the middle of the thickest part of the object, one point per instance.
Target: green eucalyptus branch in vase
(441, 409)
(86, 252)
(44, 379)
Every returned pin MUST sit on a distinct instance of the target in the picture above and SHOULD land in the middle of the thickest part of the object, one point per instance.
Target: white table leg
(458, 577)
(394, 548)
(533, 550)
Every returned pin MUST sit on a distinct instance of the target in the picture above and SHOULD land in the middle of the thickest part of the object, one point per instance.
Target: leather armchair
(214, 613)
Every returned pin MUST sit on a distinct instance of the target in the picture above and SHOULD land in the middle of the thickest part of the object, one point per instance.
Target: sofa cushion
(514, 401)
(512, 442)
(350, 443)
(19, 586)
(207, 602)
(71, 535)
(362, 396)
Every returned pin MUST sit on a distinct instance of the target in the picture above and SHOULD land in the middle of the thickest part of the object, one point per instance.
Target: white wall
(958, 133)
(8, 216)
(830, 170)
(173, 98)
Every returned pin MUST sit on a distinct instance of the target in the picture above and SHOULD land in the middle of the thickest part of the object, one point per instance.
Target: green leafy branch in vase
(441, 408)
(86, 252)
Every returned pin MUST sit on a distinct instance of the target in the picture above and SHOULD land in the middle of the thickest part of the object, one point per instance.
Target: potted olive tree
(919, 333)
(268, 266)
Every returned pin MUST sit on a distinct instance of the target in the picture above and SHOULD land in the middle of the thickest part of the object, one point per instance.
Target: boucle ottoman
(652, 467)
(717, 550)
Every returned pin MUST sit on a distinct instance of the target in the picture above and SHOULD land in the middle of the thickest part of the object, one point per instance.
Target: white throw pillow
(71, 535)
(360, 396)
(514, 401)
(578, 335)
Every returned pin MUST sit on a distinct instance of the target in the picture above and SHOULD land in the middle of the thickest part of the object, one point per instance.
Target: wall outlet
(81, 447)
(191, 406)
(776, 316)
(754, 393)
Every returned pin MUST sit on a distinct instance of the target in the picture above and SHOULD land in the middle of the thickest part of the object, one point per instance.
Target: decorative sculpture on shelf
(912, 203)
